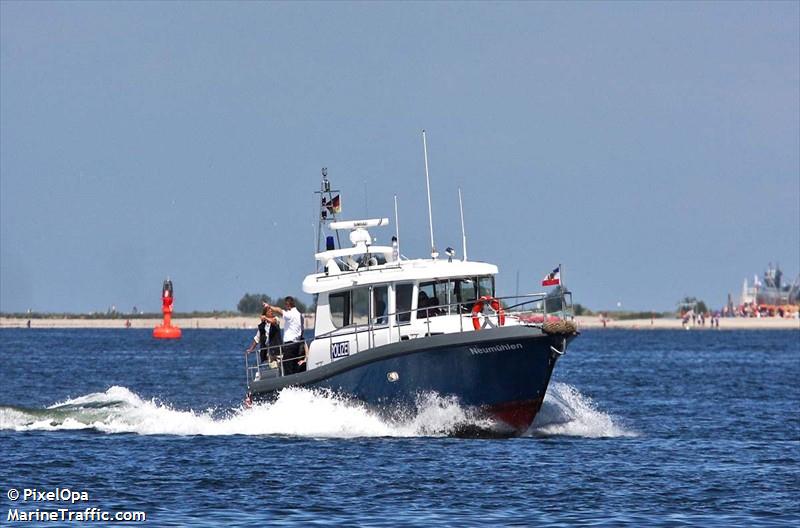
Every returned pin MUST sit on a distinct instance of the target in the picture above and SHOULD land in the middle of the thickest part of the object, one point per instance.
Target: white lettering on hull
(496, 348)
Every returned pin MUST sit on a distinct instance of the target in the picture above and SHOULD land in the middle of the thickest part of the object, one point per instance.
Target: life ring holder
(478, 308)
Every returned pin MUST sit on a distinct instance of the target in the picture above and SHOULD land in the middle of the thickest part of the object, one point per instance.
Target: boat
(390, 330)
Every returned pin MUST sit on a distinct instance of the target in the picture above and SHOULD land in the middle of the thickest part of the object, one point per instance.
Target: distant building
(772, 290)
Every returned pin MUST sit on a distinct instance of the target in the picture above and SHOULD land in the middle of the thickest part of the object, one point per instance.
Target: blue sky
(652, 148)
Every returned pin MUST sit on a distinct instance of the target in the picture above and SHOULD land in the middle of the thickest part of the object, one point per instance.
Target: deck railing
(531, 309)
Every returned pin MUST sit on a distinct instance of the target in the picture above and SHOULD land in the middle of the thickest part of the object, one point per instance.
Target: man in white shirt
(294, 348)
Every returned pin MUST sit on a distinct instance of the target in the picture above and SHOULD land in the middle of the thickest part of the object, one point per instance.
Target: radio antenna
(463, 233)
(434, 253)
(396, 227)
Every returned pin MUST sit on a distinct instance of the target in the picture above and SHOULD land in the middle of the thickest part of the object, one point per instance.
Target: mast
(318, 208)
(463, 233)
(434, 253)
(396, 228)
(326, 207)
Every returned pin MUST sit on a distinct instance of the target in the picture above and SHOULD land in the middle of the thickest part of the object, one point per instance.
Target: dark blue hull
(502, 372)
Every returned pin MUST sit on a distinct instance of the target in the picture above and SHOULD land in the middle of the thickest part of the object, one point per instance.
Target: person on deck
(294, 355)
(260, 339)
(274, 339)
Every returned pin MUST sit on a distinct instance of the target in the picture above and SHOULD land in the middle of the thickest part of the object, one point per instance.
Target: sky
(653, 149)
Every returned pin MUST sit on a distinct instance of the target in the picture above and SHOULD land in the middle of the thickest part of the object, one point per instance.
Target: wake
(567, 412)
(299, 412)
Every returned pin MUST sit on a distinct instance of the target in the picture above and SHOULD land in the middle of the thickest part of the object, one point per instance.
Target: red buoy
(166, 330)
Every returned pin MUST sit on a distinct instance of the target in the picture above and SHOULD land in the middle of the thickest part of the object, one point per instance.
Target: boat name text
(495, 348)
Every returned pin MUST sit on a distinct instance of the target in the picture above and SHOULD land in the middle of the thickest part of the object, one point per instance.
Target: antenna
(434, 253)
(396, 227)
(463, 233)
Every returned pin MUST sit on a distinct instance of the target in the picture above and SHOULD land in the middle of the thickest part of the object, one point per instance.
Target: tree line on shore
(253, 303)
(249, 304)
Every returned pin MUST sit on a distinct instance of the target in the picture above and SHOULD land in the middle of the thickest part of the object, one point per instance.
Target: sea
(642, 428)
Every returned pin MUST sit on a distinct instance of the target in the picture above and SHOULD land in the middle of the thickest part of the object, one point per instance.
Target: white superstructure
(367, 296)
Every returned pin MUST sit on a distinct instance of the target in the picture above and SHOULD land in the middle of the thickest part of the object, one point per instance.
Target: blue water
(641, 428)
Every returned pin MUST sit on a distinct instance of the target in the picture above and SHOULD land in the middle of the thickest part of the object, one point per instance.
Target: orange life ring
(478, 308)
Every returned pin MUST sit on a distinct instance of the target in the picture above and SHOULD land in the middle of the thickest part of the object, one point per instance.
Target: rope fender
(563, 327)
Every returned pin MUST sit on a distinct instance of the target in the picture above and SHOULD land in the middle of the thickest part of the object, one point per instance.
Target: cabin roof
(324, 256)
(398, 271)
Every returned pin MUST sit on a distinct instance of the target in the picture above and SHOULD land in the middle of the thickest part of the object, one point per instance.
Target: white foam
(567, 412)
(296, 412)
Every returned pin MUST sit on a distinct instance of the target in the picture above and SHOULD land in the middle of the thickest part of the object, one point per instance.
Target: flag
(334, 205)
(553, 278)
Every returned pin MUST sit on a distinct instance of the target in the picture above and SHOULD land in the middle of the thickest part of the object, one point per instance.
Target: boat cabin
(368, 296)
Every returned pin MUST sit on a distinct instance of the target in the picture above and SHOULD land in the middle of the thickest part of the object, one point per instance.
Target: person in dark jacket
(267, 337)
(273, 334)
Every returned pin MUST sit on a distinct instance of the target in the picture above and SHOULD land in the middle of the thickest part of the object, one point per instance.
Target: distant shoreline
(120, 322)
(725, 323)
(250, 322)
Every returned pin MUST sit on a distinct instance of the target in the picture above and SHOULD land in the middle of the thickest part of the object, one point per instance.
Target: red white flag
(334, 205)
(553, 278)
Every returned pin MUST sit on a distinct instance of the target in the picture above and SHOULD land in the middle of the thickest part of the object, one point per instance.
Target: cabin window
(352, 307)
(432, 294)
(426, 296)
(340, 308)
(403, 294)
(360, 312)
(380, 304)
(486, 286)
(355, 307)
(464, 292)
(460, 292)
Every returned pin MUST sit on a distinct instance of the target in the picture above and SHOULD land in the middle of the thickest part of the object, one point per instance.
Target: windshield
(450, 296)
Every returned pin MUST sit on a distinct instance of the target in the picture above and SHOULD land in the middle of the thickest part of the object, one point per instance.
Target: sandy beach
(731, 323)
(245, 322)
